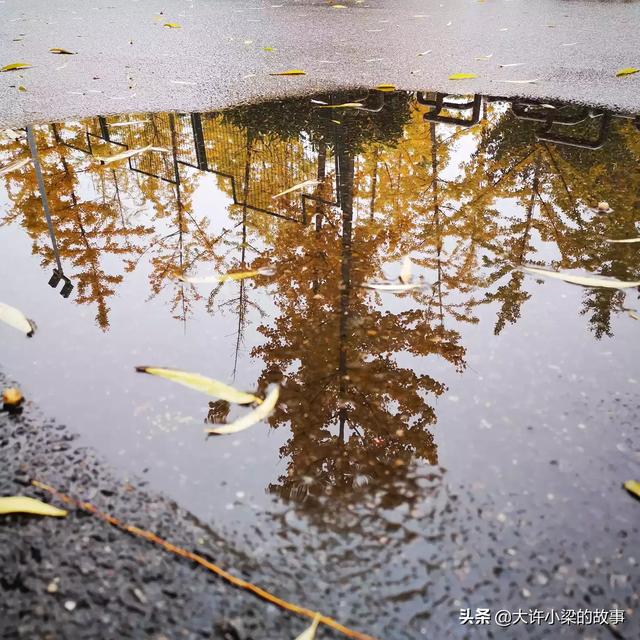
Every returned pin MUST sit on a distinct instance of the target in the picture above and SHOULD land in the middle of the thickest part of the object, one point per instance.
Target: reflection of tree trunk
(346, 199)
(436, 213)
(374, 182)
(242, 300)
(530, 207)
(176, 175)
(322, 172)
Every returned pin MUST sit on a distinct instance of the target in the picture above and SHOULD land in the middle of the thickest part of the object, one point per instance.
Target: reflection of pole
(345, 192)
(43, 194)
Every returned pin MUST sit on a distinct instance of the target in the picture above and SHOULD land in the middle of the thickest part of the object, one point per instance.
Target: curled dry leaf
(16, 164)
(633, 487)
(623, 240)
(16, 66)
(310, 632)
(201, 383)
(16, 319)
(63, 52)
(627, 71)
(224, 277)
(22, 504)
(251, 418)
(129, 154)
(290, 72)
(405, 271)
(584, 281)
(12, 397)
(296, 187)
(462, 76)
(344, 105)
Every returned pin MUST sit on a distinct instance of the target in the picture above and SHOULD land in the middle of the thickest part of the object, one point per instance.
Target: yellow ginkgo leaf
(16, 65)
(462, 76)
(633, 487)
(22, 504)
(60, 51)
(202, 383)
(12, 397)
(290, 72)
(627, 71)
(386, 88)
(248, 420)
(172, 25)
(296, 187)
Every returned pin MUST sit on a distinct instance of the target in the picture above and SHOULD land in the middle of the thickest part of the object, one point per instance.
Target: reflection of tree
(357, 417)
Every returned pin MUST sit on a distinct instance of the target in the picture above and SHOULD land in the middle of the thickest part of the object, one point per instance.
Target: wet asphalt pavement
(223, 52)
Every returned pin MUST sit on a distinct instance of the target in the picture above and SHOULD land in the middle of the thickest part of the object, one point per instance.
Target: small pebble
(69, 605)
(52, 587)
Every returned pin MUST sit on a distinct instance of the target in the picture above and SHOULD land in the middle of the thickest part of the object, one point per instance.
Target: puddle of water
(434, 446)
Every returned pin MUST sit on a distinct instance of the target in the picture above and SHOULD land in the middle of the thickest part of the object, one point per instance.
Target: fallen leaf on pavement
(633, 487)
(15, 66)
(60, 51)
(462, 76)
(622, 72)
(290, 72)
(22, 504)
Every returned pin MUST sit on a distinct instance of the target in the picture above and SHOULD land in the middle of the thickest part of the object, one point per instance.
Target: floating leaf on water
(627, 71)
(394, 287)
(22, 504)
(462, 76)
(15, 66)
(16, 319)
(129, 154)
(172, 25)
(583, 281)
(201, 383)
(16, 164)
(12, 397)
(63, 52)
(251, 418)
(223, 277)
(297, 187)
(633, 487)
(386, 88)
(623, 240)
(405, 271)
(290, 72)
(310, 632)
(129, 123)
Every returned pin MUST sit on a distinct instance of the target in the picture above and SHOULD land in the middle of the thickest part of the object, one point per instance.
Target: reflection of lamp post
(58, 273)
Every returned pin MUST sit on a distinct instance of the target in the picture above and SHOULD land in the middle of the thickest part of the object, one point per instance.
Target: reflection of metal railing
(439, 104)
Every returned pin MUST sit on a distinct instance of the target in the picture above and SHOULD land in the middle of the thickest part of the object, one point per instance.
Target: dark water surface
(458, 445)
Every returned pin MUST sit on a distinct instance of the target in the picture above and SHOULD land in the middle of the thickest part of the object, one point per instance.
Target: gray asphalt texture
(128, 61)
(78, 577)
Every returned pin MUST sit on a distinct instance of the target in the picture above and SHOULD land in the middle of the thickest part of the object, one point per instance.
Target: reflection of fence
(259, 167)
